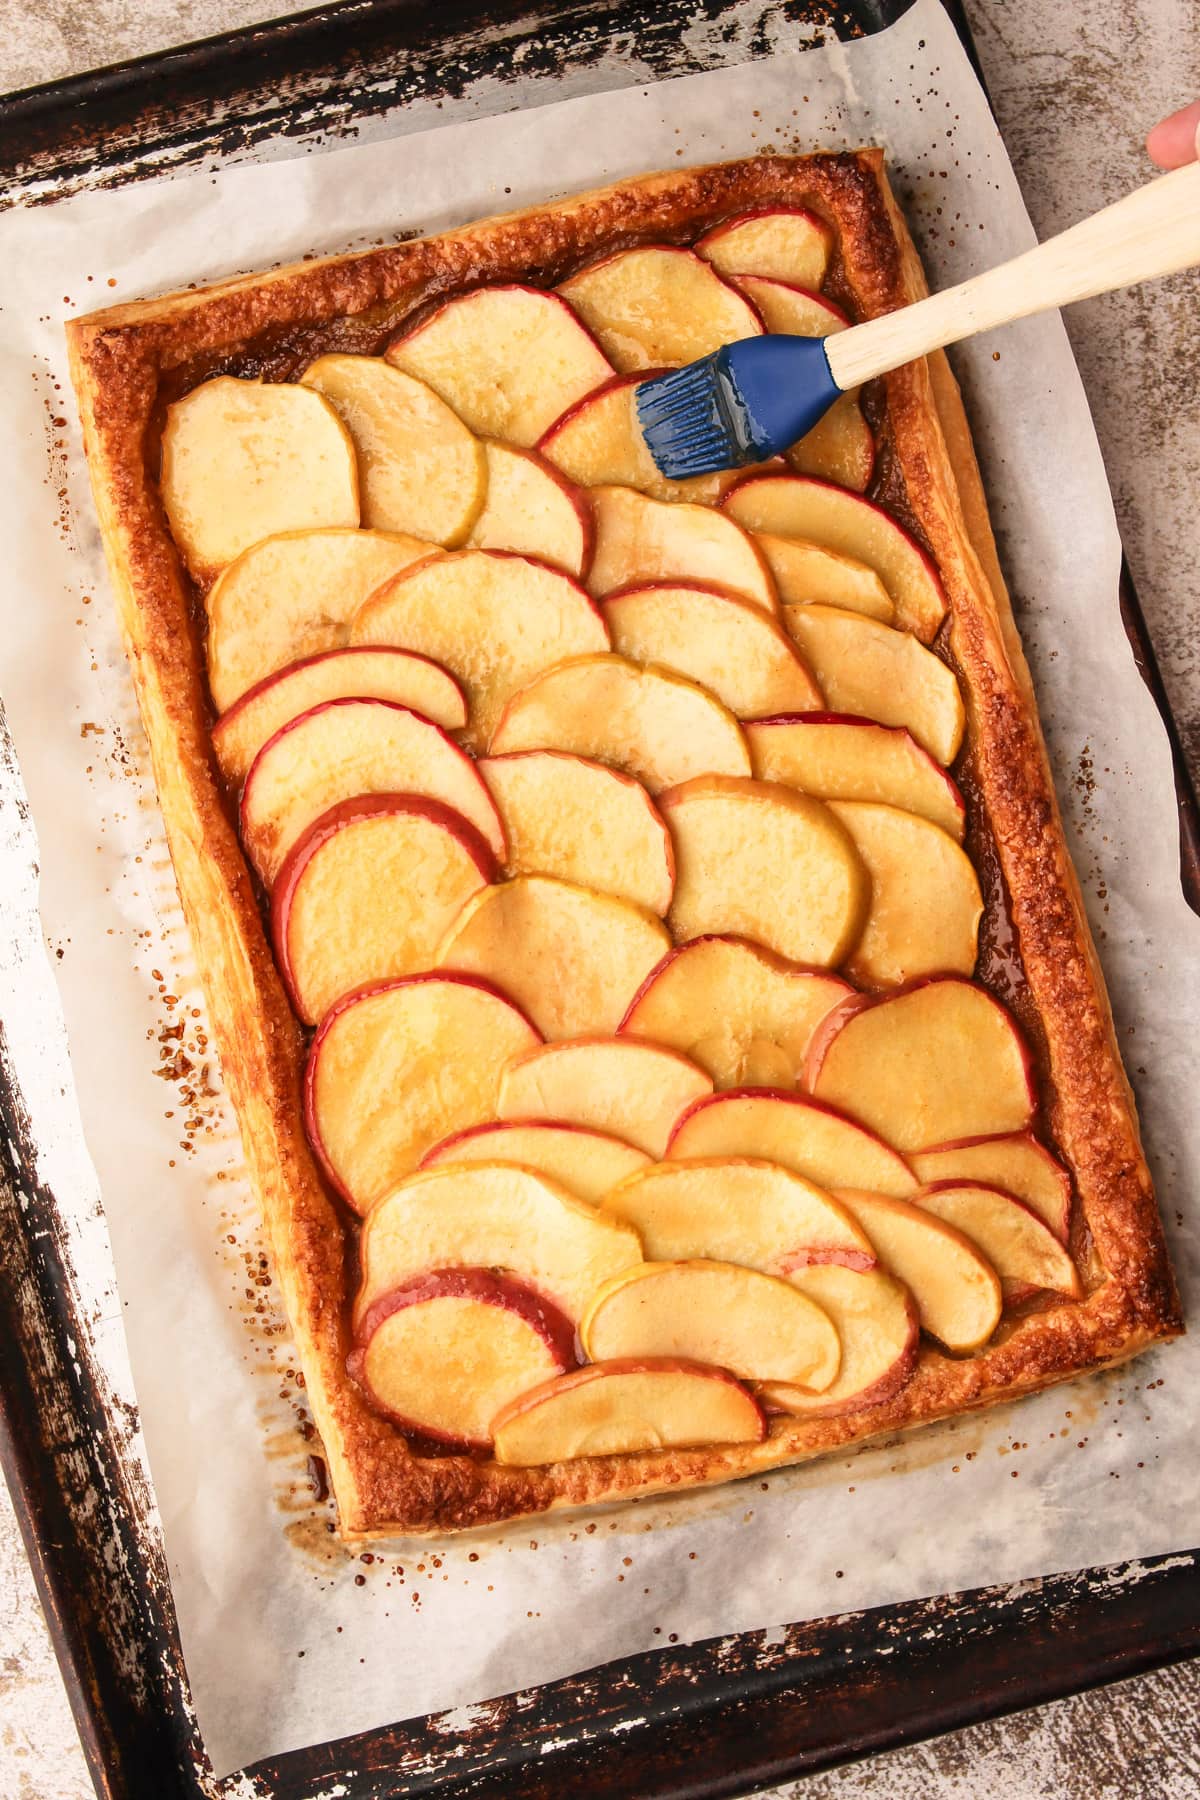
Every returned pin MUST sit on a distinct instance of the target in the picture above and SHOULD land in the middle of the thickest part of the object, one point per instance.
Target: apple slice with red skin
(728, 646)
(876, 1319)
(345, 748)
(572, 959)
(565, 815)
(587, 1163)
(869, 669)
(624, 1407)
(819, 512)
(377, 673)
(840, 756)
(491, 1217)
(532, 508)
(396, 1067)
(443, 1353)
(826, 1148)
(632, 1090)
(759, 1327)
(1022, 1248)
(956, 1290)
(494, 619)
(508, 359)
(367, 893)
(1015, 1163)
(656, 304)
(941, 1061)
(742, 1013)
(783, 243)
(809, 574)
(640, 540)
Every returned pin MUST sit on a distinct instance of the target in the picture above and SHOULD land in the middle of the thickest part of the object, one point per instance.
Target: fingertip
(1176, 139)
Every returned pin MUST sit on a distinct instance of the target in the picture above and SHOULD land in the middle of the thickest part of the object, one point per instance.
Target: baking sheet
(288, 1639)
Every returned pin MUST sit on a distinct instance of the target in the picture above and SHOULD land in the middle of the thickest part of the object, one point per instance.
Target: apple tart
(638, 931)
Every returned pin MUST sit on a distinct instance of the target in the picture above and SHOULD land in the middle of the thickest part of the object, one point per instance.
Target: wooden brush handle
(1151, 232)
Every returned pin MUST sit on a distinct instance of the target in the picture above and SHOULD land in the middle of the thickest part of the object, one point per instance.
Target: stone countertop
(1075, 89)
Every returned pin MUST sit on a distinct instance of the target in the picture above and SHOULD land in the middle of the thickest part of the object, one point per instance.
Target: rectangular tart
(176, 513)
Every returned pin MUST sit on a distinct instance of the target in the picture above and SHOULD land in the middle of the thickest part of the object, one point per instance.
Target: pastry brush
(750, 400)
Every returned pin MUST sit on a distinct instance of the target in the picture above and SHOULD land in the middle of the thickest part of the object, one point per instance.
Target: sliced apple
(367, 893)
(837, 756)
(633, 1090)
(757, 1326)
(728, 646)
(395, 1069)
(621, 1407)
(802, 507)
(583, 822)
(942, 1061)
(494, 619)
(1017, 1163)
(242, 460)
(808, 573)
(745, 1015)
(818, 1143)
(639, 540)
(756, 859)
(1021, 1247)
(511, 1220)
(598, 442)
(737, 1210)
(784, 305)
(572, 959)
(784, 243)
(587, 1163)
(366, 674)
(956, 1289)
(655, 725)
(658, 304)
(874, 672)
(532, 508)
(508, 359)
(925, 899)
(877, 1323)
(442, 1354)
(293, 596)
(419, 466)
(345, 748)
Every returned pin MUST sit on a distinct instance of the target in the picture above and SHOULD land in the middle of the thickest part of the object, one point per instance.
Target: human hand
(1176, 140)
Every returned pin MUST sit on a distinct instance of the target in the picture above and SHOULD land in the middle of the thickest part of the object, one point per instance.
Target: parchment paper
(287, 1639)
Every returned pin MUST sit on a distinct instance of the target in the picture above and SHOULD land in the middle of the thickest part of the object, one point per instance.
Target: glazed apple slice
(745, 1015)
(442, 1354)
(632, 1090)
(1023, 1250)
(798, 506)
(367, 893)
(784, 243)
(837, 756)
(572, 959)
(293, 596)
(420, 469)
(394, 1069)
(1017, 1163)
(757, 1326)
(756, 859)
(868, 669)
(925, 899)
(598, 443)
(533, 509)
(495, 620)
(940, 1062)
(818, 1143)
(376, 673)
(345, 748)
(789, 306)
(639, 540)
(728, 646)
(658, 304)
(621, 1407)
(564, 815)
(807, 574)
(242, 460)
(737, 1210)
(956, 1289)
(508, 359)
(876, 1320)
(587, 1163)
(508, 1219)
(658, 727)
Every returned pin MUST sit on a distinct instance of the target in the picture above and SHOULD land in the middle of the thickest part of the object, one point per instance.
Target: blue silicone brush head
(744, 403)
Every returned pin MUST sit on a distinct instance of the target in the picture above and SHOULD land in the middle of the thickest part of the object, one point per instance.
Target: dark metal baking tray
(710, 1719)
